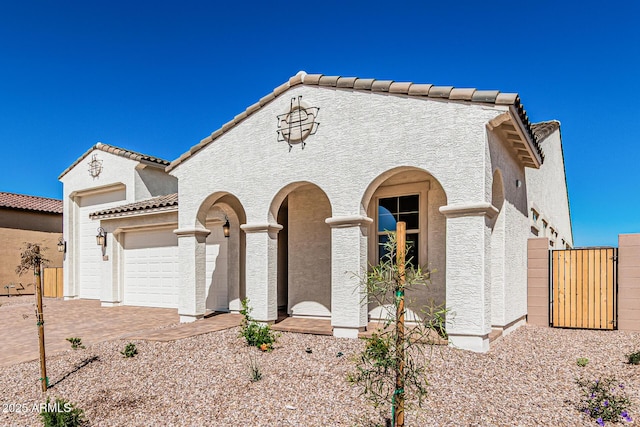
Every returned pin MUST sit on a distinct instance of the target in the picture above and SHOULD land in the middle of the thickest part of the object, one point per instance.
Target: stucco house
(306, 181)
(23, 219)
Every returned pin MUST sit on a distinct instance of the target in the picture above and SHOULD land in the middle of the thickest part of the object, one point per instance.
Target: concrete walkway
(92, 323)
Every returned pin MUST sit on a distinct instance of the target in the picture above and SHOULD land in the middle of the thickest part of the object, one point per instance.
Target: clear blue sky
(158, 76)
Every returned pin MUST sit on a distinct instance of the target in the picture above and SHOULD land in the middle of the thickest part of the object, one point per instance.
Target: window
(534, 215)
(394, 209)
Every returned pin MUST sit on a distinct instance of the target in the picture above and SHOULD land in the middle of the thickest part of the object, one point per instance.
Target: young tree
(31, 259)
(393, 362)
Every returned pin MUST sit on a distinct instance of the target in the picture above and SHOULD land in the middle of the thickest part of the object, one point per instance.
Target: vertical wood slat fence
(584, 288)
(53, 282)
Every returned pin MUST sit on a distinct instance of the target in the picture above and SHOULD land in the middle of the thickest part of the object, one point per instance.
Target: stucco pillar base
(70, 297)
(346, 332)
(111, 303)
(261, 270)
(349, 310)
(477, 343)
(189, 318)
(192, 255)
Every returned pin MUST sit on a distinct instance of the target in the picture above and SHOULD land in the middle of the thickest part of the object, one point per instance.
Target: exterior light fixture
(518, 183)
(225, 227)
(62, 245)
(101, 238)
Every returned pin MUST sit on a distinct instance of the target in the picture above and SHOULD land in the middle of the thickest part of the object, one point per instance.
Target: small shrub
(256, 334)
(254, 370)
(130, 350)
(634, 358)
(604, 400)
(61, 413)
(582, 361)
(76, 343)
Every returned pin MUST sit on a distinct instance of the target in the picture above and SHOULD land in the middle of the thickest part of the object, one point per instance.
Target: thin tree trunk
(401, 236)
(40, 316)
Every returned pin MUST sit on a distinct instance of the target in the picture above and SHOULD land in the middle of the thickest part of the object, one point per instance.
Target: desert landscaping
(527, 378)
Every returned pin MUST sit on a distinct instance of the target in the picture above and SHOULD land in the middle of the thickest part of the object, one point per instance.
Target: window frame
(421, 188)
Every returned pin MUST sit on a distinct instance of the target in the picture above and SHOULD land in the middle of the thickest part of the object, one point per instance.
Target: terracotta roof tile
(416, 90)
(544, 129)
(328, 81)
(30, 203)
(400, 87)
(160, 203)
(128, 154)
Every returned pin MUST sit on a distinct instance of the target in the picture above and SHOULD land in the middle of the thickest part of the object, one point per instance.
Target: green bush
(130, 350)
(254, 371)
(62, 413)
(256, 334)
(582, 361)
(76, 343)
(634, 358)
(604, 400)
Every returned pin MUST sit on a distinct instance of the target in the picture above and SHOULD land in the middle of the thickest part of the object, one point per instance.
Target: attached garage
(151, 270)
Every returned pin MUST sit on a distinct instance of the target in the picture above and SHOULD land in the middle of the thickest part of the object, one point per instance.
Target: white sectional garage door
(90, 254)
(151, 269)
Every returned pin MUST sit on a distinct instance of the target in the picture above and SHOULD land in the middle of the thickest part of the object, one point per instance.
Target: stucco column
(192, 250)
(262, 270)
(468, 295)
(349, 313)
(111, 294)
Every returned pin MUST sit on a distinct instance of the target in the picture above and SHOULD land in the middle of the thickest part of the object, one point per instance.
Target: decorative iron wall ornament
(95, 166)
(298, 123)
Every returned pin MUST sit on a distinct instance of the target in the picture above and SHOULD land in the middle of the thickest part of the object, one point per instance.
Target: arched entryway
(414, 196)
(304, 250)
(225, 256)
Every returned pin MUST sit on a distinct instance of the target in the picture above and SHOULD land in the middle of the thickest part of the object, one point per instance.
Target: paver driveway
(63, 319)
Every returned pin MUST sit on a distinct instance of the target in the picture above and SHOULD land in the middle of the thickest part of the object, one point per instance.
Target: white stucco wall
(510, 233)
(309, 250)
(362, 137)
(547, 193)
(121, 181)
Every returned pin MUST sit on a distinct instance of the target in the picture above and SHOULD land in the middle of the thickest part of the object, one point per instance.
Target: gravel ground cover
(527, 379)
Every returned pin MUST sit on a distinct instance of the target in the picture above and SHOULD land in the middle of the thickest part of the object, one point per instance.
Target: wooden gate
(52, 281)
(584, 288)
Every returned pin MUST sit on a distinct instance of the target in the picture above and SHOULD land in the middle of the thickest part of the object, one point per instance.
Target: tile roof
(381, 86)
(30, 203)
(544, 129)
(155, 204)
(142, 158)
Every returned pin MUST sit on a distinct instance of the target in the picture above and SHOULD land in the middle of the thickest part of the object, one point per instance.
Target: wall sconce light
(62, 245)
(518, 183)
(101, 238)
(225, 227)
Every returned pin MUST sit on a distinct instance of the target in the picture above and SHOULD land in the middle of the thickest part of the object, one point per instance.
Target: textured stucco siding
(509, 235)
(120, 182)
(547, 193)
(309, 250)
(361, 138)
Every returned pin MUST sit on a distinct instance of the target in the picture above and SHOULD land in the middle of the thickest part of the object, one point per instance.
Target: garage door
(90, 255)
(151, 269)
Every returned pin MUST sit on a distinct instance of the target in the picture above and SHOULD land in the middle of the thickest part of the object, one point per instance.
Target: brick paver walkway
(92, 323)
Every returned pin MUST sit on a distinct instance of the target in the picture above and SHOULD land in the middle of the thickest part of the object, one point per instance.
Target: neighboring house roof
(544, 129)
(30, 203)
(465, 95)
(128, 154)
(155, 204)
